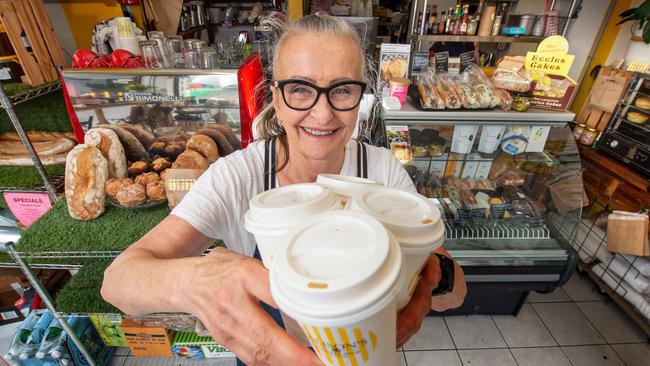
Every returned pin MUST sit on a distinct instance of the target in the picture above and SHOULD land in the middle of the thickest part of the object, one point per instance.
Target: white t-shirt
(217, 202)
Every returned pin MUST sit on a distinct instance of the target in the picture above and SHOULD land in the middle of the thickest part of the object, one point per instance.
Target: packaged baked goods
(86, 173)
(504, 99)
(511, 178)
(131, 195)
(109, 144)
(511, 75)
(115, 185)
(205, 146)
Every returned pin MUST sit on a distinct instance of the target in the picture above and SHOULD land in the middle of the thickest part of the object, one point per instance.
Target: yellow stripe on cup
(412, 282)
(361, 341)
(373, 340)
(337, 352)
(347, 346)
(322, 344)
(317, 346)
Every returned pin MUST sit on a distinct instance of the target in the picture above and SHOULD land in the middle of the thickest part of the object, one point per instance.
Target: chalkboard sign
(466, 59)
(442, 62)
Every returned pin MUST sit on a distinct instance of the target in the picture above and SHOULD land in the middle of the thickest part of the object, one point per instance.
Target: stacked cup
(338, 275)
(412, 219)
(343, 186)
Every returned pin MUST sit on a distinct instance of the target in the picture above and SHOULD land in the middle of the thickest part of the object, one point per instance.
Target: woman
(318, 72)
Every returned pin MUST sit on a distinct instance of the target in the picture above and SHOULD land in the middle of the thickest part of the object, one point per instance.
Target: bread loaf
(132, 146)
(109, 144)
(86, 173)
(38, 136)
(58, 146)
(205, 146)
(145, 137)
(20, 160)
(225, 148)
(190, 159)
(228, 133)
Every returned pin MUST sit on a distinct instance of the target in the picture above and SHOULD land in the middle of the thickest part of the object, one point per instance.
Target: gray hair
(267, 122)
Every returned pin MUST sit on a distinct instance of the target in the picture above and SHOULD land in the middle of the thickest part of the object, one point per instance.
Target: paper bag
(628, 233)
(178, 182)
(608, 89)
(568, 194)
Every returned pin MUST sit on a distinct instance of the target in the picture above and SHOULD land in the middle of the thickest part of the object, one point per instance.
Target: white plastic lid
(412, 218)
(336, 264)
(343, 185)
(285, 206)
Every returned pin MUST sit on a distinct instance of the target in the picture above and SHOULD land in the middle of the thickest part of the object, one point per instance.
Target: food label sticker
(27, 207)
(537, 140)
(442, 62)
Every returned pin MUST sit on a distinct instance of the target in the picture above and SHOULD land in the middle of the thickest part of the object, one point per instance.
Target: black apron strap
(362, 160)
(269, 164)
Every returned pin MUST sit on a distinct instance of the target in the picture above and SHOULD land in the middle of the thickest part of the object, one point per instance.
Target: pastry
(145, 137)
(190, 159)
(156, 190)
(138, 167)
(109, 144)
(205, 146)
(132, 146)
(157, 148)
(86, 173)
(174, 149)
(224, 147)
(115, 185)
(637, 117)
(44, 148)
(131, 195)
(147, 178)
(642, 102)
(229, 133)
(160, 164)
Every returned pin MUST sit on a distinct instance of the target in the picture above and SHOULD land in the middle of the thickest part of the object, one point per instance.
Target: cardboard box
(147, 341)
(188, 344)
(627, 233)
(551, 99)
(108, 327)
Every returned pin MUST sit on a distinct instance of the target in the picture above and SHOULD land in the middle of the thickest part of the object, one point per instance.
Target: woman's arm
(163, 272)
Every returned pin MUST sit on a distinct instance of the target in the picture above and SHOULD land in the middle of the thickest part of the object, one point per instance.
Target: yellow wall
(84, 14)
(602, 52)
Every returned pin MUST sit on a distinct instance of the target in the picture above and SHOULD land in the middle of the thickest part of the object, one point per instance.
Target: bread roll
(190, 159)
(147, 178)
(132, 195)
(138, 167)
(132, 146)
(86, 173)
(145, 137)
(225, 148)
(157, 148)
(115, 185)
(109, 144)
(205, 146)
(174, 149)
(160, 164)
(156, 190)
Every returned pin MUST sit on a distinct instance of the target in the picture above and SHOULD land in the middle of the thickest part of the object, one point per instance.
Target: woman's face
(321, 59)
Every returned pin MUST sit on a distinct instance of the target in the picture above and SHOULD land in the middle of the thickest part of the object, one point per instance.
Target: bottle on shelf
(472, 27)
(433, 20)
(464, 20)
(418, 25)
(454, 27)
(496, 26)
(427, 23)
(450, 17)
(441, 23)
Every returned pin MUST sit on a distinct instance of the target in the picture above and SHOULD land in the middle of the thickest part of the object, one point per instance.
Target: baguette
(132, 146)
(38, 136)
(145, 137)
(15, 160)
(44, 148)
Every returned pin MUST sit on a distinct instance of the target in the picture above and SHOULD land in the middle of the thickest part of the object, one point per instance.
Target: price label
(466, 59)
(442, 62)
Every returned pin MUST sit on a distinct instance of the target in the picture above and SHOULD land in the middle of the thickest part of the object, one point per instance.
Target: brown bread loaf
(109, 144)
(132, 146)
(225, 148)
(205, 146)
(145, 137)
(86, 173)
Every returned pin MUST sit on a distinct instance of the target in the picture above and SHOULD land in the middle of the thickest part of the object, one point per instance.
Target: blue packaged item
(36, 337)
(21, 337)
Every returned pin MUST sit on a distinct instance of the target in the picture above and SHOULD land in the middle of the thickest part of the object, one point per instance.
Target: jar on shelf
(588, 136)
(578, 130)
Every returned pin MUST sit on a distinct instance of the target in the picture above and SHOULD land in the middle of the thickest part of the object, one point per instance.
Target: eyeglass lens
(343, 97)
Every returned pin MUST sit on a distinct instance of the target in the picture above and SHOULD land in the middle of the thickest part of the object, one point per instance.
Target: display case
(509, 187)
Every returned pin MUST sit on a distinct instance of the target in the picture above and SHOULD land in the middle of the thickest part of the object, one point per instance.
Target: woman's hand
(410, 318)
(226, 291)
(456, 297)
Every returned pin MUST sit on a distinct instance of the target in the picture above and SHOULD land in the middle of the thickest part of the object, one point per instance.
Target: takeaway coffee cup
(272, 213)
(338, 275)
(344, 186)
(412, 219)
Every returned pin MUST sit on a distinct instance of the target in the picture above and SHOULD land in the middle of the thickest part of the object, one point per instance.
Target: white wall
(61, 27)
(622, 43)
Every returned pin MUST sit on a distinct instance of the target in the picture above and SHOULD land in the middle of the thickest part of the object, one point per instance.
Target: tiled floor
(572, 326)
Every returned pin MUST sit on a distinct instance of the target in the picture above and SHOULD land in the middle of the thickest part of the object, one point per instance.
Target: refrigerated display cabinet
(509, 186)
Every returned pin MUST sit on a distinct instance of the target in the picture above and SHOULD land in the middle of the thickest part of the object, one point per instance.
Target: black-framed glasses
(302, 95)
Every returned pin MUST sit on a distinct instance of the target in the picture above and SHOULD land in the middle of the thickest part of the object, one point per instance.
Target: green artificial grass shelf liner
(45, 113)
(82, 292)
(115, 230)
(27, 176)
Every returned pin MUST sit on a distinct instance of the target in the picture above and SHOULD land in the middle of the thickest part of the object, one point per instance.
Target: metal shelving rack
(49, 187)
